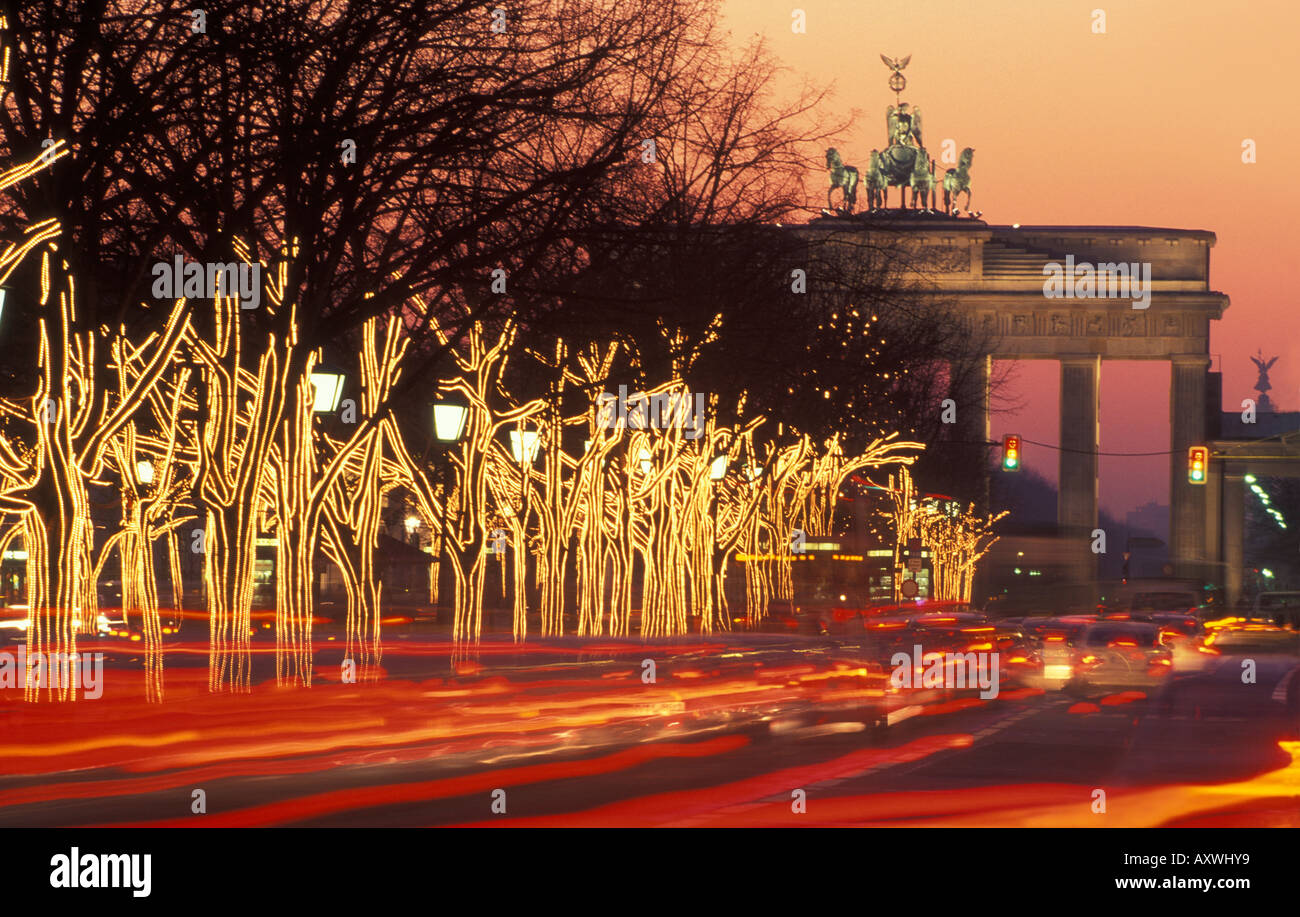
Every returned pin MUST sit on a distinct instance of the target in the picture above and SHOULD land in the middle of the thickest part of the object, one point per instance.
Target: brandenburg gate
(1075, 294)
(999, 275)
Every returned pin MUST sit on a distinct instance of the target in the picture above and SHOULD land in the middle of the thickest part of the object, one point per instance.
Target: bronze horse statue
(957, 180)
(923, 183)
(877, 183)
(843, 177)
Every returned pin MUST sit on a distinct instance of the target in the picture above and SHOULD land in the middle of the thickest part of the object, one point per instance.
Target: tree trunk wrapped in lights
(509, 484)
(353, 504)
(903, 516)
(72, 420)
(241, 411)
(481, 365)
(154, 471)
(956, 542)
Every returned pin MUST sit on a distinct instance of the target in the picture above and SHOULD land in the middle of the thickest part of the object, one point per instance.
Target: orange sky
(1140, 126)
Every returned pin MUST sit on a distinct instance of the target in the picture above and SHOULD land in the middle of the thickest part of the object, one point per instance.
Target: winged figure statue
(1262, 384)
(904, 125)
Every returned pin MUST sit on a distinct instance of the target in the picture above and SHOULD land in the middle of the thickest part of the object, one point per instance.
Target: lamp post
(717, 473)
(450, 418)
(524, 446)
(195, 365)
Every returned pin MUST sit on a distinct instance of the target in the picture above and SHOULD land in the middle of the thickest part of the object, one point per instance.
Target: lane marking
(1279, 693)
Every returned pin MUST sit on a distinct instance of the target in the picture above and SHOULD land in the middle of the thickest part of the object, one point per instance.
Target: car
(1282, 608)
(1046, 650)
(1178, 624)
(940, 632)
(1120, 654)
(1184, 634)
(1165, 600)
(1245, 638)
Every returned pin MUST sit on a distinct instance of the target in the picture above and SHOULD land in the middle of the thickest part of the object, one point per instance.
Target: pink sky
(1140, 126)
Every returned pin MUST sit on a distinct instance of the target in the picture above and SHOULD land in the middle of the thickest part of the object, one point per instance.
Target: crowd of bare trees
(595, 188)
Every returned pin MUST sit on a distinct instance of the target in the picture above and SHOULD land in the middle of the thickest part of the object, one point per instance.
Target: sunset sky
(1140, 126)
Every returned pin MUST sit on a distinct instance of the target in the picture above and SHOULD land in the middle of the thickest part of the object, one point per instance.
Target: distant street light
(718, 468)
(523, 447)
(144, 471)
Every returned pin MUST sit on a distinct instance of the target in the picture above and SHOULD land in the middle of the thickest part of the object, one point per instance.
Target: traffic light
(1011, 453)
(1198, 460)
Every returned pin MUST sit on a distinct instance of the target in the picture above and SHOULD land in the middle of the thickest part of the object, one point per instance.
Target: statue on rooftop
(1262, 385)
(843, 177)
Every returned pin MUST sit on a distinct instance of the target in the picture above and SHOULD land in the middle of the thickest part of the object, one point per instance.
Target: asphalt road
(414, 751)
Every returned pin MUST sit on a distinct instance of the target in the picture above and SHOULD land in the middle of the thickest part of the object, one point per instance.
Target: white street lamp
(449, 419)
(328, 384)
(524, 448)
(144, 471)
(718, 468)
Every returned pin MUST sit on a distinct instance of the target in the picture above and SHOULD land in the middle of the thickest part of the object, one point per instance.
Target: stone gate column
(1076, 506)
(978, 430)
(1187, 384)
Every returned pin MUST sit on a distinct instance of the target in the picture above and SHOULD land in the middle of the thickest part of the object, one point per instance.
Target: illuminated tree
(956, 540)
(480, 367)
(353, 503)
(154, 467)
(70, 421)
